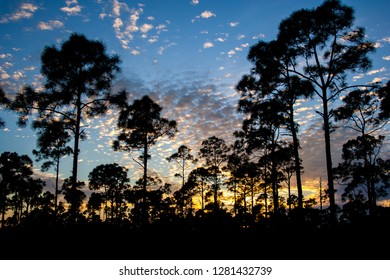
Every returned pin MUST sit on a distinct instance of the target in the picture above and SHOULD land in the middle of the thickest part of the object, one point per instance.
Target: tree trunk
(73, 209)
(328, 154)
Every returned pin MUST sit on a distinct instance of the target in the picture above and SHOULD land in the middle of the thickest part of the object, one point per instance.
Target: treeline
(313, 54)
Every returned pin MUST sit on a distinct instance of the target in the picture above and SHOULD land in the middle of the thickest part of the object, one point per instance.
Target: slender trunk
(73, 208)
(145, 180)
(274, 186)
(56, 190)
(183, 173)
(252, 195)
(289, 193)
(328, 154)
(297, 163)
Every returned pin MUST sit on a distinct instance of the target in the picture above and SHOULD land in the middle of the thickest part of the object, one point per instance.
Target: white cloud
(153, 39)
(261, 35)
(50, 25)
(135, 52)
(233, 24)
(240, 36)
(194, 2)
(25, 11)
(117, 23)
(386, 39)
(386, 57)
(208, 45)
(231, 53)
(150, 18)
(8, 64)
(72, 8)
(207, 14)
(163, 48)
(146, 27)
(220, 39)
(376, 71)
(18, 75)
(5, 55)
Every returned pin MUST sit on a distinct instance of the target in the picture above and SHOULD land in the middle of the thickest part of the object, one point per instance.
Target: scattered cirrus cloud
(25, 11)
(72, 8)
(375, 71)
(208, 45)
(205, 14)
(50, 25)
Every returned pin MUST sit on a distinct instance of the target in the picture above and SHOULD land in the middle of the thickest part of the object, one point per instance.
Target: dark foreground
(368, 241)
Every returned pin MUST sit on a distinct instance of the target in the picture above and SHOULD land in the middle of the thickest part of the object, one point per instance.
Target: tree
(185, 161)
(215, 152)
(141, 125)
(270, 78)
(74, 196)
(112, 178)
(361, 112)
(15, 170)
(199, 177)
(329, 47)
(78, 78)
(5, 102)
(384, 93)
(52, 140)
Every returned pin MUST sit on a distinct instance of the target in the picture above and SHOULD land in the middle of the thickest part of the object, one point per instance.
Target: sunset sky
(186, 55)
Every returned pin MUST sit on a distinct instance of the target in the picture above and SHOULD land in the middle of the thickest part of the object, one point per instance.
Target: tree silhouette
(384, 93)
(112, 178)
(78, 78)
(4, 101)
(141, 125)
(75, 197)
(271, 78)
(199, 177)
(324, 40)
(52, 139)
(215, 152)
(361, 113)
(15, 171)
(185, 161)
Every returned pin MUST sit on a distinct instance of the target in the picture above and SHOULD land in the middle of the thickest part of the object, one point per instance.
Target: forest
(314, 52)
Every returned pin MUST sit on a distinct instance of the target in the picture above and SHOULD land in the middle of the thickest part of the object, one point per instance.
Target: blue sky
(187, 55)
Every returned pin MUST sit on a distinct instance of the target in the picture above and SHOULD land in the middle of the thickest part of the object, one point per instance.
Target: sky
(187, 55)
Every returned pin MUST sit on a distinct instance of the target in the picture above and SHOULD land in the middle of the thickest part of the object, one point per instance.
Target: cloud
(207, 14)
(25, 11)
(50, 25)
(386, 40)
(125, 30)
(146, 27)
(18, 75)
(372, 72)
(72, 8)
(386, 57)
(240, 36)
(208, 45)
(163, 48)
(117, 6)
(233, 24)
(194, 2)
(261, 35)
